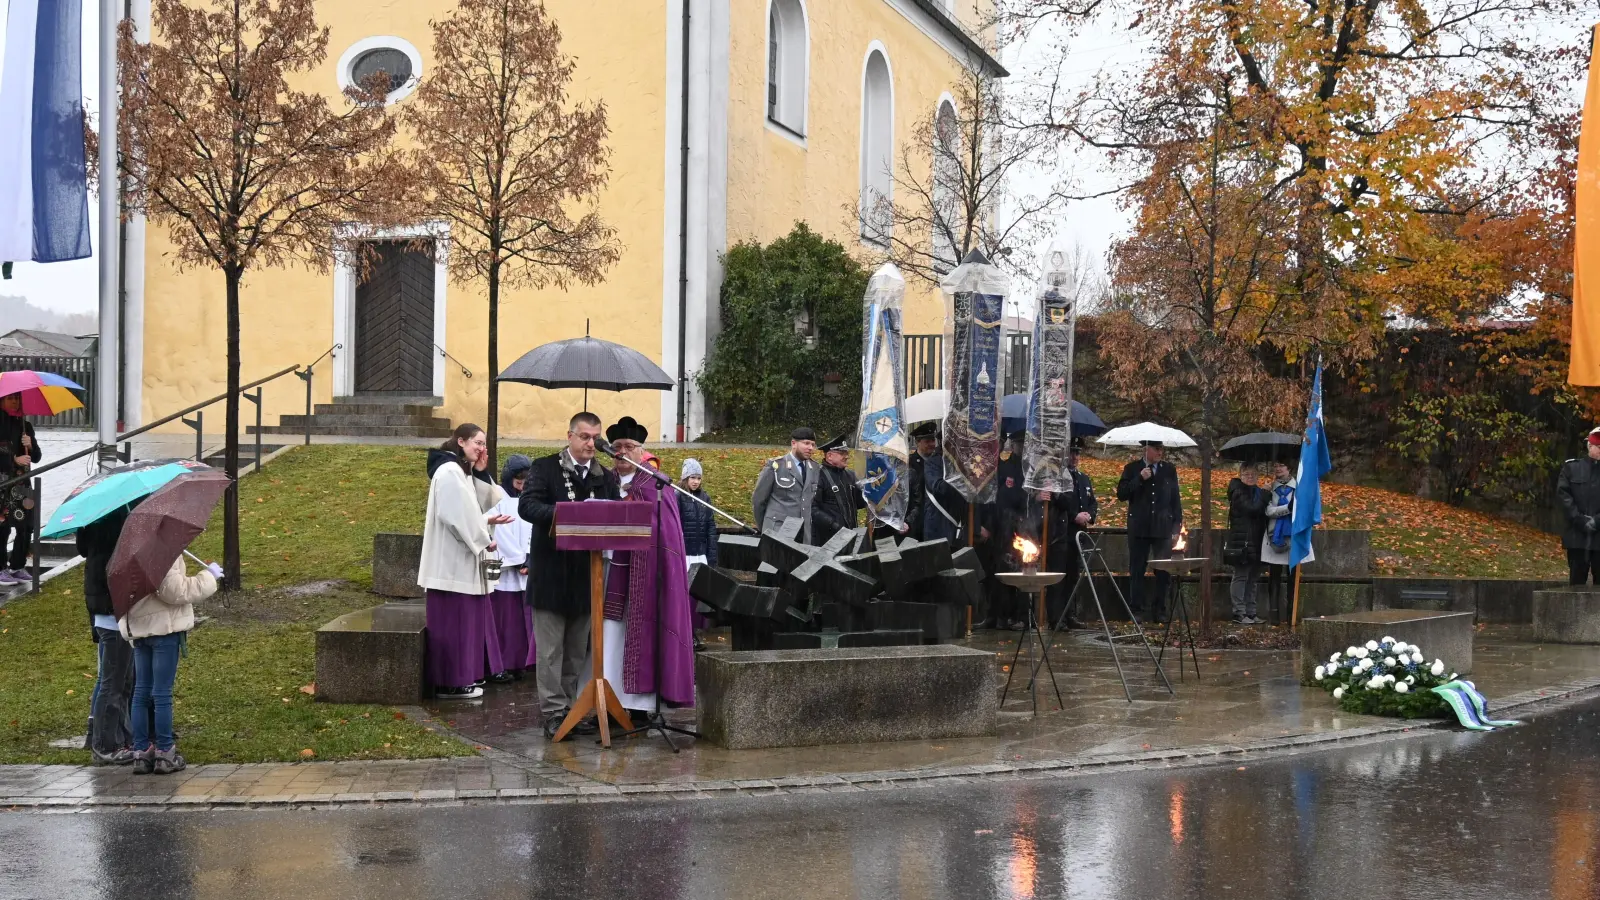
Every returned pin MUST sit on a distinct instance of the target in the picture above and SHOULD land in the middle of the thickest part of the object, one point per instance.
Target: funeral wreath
(1386, 678)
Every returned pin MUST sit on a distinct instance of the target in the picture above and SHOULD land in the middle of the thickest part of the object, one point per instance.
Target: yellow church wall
(773, 181)
(287, 313)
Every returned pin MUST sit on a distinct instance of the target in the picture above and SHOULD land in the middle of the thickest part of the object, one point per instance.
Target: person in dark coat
(1578, 491)
(838, 502)
(558, 582)
(1007, 517)
(1247, 524)
(699, 523)
(19, 452)
(927, 437)
(110, 730)
(944, 513)
(1149, 485)
(1071, 511)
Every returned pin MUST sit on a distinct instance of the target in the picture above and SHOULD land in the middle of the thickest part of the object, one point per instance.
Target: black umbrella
(587, 362)
(1263, 446)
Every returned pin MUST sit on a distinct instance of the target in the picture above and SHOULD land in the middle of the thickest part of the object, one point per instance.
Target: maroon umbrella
(157, 531)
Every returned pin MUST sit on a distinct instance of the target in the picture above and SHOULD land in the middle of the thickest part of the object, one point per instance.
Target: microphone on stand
(604, 446)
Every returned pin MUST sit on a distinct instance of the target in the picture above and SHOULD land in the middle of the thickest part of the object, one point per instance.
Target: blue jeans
(109, 729)
(155, 664)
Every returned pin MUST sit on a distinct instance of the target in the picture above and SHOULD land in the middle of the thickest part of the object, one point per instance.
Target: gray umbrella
(1263, 446)
(587, 362)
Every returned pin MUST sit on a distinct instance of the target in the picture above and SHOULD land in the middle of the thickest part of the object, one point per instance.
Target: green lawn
(307, 517)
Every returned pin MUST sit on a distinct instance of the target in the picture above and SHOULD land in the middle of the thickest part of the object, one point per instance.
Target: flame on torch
(1026, 548)
(1182, 542)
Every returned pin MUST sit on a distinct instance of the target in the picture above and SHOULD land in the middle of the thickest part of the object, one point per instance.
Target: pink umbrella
(43, 393)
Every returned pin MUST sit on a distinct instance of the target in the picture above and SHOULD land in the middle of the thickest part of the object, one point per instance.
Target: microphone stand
(655, 720)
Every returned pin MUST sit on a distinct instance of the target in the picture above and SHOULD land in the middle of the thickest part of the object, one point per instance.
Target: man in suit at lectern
(558, 580)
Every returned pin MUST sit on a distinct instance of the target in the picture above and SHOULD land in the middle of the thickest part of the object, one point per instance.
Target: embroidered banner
(880, 430)
(974, 299)
(1050, 380)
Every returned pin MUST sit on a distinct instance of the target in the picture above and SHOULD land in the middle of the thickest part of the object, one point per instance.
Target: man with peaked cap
(787, 485)
(927, 438)
(1008, 516)
(1149, 485)
(1071, 511)
(1578, 491)
(838, 500)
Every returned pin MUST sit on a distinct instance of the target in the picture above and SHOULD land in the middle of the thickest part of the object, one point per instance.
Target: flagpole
(106, 385)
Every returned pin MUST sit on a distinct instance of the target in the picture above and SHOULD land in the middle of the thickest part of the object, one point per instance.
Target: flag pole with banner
(1315, 462)
(975, 296)
(880, 431)
(1050, 379)
(1584, 368)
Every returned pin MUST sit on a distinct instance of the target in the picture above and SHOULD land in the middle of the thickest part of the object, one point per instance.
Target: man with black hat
(838, 500)
(1149, 485)
(787, 485)
(1072, 511)
(625, 436)
(927, 437)
(1578, 489)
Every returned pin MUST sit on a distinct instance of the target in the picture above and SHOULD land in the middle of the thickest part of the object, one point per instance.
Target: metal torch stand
(1089, 549)
(1032, 633)
(1178, 606)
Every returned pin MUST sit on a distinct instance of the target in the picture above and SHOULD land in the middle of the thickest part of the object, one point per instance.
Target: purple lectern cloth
(461, 639)
(513, 625)
(603, 525)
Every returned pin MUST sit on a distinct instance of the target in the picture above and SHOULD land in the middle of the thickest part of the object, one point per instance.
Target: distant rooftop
(28, 342)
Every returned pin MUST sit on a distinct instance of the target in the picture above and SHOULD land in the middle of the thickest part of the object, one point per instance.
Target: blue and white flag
(44, 189)
(880, 429)
(1315, 462)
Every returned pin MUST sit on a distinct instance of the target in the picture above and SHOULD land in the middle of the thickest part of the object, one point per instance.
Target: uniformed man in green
(787, 485)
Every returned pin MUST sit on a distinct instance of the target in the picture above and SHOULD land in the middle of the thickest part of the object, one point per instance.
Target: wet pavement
(1243, 698)
(1512, 814)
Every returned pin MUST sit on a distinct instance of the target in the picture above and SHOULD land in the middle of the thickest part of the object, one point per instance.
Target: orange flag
(1585, 368)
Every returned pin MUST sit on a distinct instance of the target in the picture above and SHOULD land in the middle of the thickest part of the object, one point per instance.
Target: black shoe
(1075, 625)
(699, 646)
(502, 678)
(460, 693)
(586, 726)
(551, 726)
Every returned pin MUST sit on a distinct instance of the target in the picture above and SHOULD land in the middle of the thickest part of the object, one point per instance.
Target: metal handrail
(325, 354)
(97, 446)
(446, 354)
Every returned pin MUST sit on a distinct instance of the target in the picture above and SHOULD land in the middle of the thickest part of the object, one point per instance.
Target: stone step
(345, 408)
(427, 431)
(247, 455)
(364, 419)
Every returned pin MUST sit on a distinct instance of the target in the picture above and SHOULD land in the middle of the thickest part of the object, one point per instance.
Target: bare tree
(509, 160)
(242, 170)
(954, 190)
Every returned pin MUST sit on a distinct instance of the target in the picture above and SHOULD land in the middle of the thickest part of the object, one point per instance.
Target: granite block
(395, 559)
(1569, 615)
(739, 551)
(792, 698)
(373, 655)
(1441, 635)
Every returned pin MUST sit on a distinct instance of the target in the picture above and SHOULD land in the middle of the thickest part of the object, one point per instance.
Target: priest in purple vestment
(658, 625)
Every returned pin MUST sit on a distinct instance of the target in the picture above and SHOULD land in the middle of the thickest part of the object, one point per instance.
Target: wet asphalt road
(1507, 815)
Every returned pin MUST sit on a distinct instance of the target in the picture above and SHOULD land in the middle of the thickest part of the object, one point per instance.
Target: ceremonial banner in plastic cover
(974, 300)
(1050, 379)
(881, 430)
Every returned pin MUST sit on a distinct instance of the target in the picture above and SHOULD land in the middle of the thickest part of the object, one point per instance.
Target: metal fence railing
(81, 369)
(1019, 356)
(924, 365)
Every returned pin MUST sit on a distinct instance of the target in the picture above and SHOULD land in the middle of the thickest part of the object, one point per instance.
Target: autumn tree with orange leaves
(1301, 172)
(509, 160)
(241, 169)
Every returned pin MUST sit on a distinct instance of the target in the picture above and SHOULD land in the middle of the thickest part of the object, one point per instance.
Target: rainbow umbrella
(43, 393)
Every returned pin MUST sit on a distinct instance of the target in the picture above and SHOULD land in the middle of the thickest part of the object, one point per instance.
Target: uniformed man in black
(838, 501)
(1578, 489)
(1149, 485)
(1008, 516)
(927, 438)
(1071, 511)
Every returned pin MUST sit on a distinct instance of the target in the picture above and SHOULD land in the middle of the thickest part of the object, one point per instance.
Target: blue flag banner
(44, 191)
(974, 300)
(1315, 462)
(880, 427)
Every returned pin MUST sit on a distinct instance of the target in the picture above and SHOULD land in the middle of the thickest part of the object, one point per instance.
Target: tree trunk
(493, 426)
(1208, 412)
(230, 454)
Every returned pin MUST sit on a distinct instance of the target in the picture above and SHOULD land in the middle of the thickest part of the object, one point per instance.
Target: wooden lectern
(597, 526)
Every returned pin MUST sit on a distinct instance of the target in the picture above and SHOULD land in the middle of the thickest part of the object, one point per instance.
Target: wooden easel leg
(583, 706)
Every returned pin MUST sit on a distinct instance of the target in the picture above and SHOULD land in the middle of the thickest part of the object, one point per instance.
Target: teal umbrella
(113, 489)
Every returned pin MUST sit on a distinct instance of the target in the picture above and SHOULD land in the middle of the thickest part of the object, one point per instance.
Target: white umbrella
(1134, 435)
(928, 405)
